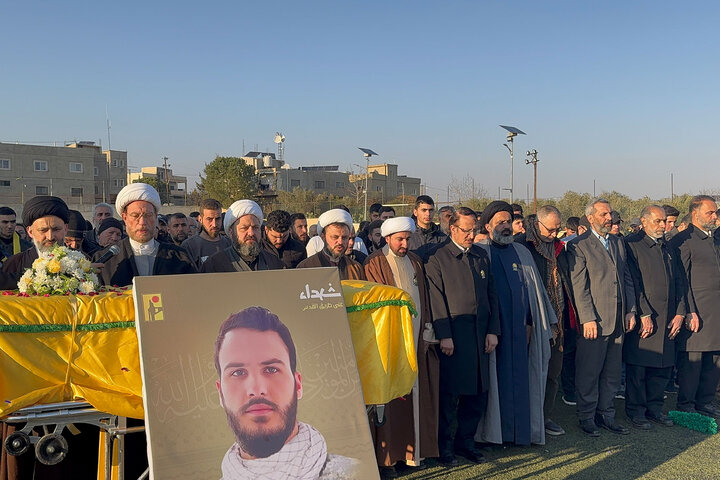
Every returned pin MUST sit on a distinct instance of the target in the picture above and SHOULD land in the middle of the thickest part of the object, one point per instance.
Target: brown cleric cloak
(349, 269)
(395, 440)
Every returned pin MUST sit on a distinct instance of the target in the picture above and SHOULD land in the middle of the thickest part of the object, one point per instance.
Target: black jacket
(700, 256)
(465, 308)
(120, 269)
(658, 279)
(291, 253)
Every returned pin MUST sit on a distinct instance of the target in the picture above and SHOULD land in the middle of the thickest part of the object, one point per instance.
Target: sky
(619, 95)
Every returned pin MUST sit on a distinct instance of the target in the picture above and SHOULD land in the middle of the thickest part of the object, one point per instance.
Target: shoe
(710, 410)
(448, 461)
(552, 428)
(610, 424)
(568, 400)
(473, 455)
(660, 419)
(620, 395)
(589, 427)
(640, 423)
(388, 472)
(671, 388)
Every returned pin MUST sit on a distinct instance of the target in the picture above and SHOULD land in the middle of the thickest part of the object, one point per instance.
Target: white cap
(240, 209)
(397, 224)
(137, 191)
(335, 215)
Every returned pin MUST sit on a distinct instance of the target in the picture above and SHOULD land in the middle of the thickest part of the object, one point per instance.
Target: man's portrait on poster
(259, 388)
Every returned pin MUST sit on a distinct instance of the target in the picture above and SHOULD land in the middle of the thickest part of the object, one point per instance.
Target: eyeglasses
(466, 232)
(550, 230)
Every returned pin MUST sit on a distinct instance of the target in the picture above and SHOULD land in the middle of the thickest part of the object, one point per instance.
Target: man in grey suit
(605, 302)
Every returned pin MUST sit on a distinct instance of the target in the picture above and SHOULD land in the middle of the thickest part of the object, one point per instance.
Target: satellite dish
(279, 137)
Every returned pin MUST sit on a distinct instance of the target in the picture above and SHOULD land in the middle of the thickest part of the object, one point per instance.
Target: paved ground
(663, 453)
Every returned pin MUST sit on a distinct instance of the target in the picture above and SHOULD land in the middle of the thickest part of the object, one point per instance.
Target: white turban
(240, 209)
(137, 191)
(397, 224)
(335, 215)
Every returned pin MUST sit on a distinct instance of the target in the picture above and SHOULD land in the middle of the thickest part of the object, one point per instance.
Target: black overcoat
(465, 308)
(120, 269)
(701, 264)
(658, 281)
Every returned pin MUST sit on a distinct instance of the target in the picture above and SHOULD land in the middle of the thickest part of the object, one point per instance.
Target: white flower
(87, 287)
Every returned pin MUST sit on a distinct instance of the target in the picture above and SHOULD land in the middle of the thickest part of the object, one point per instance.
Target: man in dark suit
(280, 242)
(140, 253)
(649, 350)
(466, 321)
(605, 301)
(699, 344)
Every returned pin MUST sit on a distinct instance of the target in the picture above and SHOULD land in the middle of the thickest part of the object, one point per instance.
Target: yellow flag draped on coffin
(61, 348)
(381, 325)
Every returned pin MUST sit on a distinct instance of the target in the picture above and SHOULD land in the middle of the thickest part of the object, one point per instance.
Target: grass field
(662, 453)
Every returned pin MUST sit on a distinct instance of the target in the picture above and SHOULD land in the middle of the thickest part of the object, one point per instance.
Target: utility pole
(532, 159)
(167, 181)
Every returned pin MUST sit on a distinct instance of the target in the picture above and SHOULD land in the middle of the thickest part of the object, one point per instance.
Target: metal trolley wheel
(17, 443)
(51, 449)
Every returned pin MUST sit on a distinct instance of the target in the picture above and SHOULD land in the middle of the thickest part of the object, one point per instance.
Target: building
(80, 173)
(176, 185)
(385, 183)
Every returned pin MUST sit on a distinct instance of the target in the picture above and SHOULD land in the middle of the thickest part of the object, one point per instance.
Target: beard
(248, 250)
(41, 247)
(503, 237)
(336, 256)
(604, 229)
(261, 442)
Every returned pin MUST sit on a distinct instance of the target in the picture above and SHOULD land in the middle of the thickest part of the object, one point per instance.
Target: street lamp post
(532, 159)
(367, 153)
(512, 133)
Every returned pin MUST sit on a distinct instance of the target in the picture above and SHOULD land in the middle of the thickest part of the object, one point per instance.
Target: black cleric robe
(658, 279)
(465, 308)
(512, 349)
(700, 255)
(228, 260)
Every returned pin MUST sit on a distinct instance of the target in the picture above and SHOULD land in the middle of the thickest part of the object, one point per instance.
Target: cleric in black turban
(492, 209)
(43, 206)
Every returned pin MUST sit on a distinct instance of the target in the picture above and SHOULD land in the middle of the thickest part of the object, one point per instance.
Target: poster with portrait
(251, 375)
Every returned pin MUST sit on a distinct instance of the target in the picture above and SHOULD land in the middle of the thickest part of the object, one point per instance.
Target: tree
(227, 179)
(157, 185)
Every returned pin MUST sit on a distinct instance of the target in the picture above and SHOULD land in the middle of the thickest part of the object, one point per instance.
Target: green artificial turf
(662, 453)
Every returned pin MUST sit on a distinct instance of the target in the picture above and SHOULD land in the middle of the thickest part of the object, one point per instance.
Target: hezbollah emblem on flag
(152, 305)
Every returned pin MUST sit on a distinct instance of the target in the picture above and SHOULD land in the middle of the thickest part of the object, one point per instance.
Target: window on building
(41, 190)
(4, 164)
(41, 166)
(97, 190)
(76, 167)
(339, 184)
(172, 187)
(378, 188)
(76, 192)
(4, 183)
(319, 184)
(115, 163)
(119, 182)
(96, 171)
(294, 183)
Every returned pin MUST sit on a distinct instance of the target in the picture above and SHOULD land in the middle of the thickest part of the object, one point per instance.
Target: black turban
(43, 206)
(494, 207)
(76, 225)
(109, 223)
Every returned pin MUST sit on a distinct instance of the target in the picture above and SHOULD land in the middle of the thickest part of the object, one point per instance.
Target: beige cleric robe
(406, 426)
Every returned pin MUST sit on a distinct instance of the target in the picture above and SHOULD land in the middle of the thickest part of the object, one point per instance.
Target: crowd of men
(511, 309)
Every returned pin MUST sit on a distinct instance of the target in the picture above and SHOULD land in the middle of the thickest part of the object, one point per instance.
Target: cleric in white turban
(140, 254)
(336, 215)
(397, 224)
(335, 228)
(242, 225)
(137, 191)
(240, 209)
